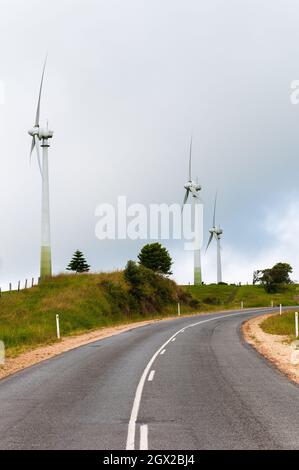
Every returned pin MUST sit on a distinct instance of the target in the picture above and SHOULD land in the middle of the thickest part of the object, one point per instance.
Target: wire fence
(20, 285)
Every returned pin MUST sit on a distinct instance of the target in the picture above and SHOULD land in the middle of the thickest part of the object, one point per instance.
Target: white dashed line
(144, 437)
(135, 409)
(173, 340)
(151, 376)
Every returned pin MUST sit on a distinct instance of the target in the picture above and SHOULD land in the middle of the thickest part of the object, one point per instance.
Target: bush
(118, 297)
(133, 277)
(150, 291)
(210, 300)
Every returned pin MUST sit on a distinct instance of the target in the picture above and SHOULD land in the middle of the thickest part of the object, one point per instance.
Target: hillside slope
(90, 301)
(217, 297)
(84, 302)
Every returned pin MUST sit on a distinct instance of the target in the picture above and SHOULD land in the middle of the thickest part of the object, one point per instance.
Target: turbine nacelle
(216, 232)
(41, 133)
(192, 185)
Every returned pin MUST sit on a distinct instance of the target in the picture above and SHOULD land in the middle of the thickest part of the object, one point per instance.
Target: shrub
(118, 297)
(210, 300)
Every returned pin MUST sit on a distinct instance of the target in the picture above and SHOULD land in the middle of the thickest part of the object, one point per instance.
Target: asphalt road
(202, 389)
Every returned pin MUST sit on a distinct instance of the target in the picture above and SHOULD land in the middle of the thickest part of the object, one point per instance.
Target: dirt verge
(274, 347)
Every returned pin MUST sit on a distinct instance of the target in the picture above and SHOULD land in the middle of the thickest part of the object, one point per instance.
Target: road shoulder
(275, 348)
(39, 354)
(42, 353)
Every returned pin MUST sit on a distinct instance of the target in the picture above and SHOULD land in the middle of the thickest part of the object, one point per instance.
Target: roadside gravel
(275, 348)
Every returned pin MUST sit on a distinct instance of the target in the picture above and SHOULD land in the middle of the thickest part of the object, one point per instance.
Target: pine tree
(78, 263)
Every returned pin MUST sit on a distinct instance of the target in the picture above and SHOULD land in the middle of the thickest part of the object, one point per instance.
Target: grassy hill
(90, 301)
(230, 296)
(84, 302)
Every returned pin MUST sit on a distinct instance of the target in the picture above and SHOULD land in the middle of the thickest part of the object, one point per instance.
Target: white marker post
(242, 304)
(280, 309)
(2, 353)
(296, 325)
(57, 326)
(272, 304)
(179, 309)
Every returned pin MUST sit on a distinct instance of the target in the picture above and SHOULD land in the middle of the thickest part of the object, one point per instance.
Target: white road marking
(151, 376)
(136, 404)
(173, 340)
(144, 437)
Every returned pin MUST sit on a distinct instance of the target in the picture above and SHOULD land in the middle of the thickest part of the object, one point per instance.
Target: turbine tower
(194, 188)
(40, 138)
(216, 232)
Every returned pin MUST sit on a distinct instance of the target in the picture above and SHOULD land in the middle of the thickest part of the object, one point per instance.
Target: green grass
(84, 302)
(230, 297)
(280, 324)
(90, 301)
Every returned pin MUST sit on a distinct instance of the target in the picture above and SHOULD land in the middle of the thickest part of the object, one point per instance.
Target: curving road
(189, 383)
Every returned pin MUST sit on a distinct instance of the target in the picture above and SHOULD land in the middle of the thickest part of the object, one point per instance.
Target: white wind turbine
(40, 138)
(216, 232)
(193, 188)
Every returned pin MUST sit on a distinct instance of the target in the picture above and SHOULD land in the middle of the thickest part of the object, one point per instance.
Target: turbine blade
(185, 198)
(32, 147)
(39, 96)
(38, 154)
(209, 242)
(214, 215)
(190, 158)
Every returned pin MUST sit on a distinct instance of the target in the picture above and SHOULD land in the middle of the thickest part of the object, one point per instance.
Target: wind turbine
(216, 233)
(193, 188)
(40, 138)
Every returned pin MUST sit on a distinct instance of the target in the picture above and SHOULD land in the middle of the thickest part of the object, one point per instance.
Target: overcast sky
(126, 83)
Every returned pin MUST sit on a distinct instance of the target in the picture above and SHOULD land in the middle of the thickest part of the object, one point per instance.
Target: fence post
(10, 287)
(32, 282)
(296, 325)
(242, 304)
(2, 353)
(57, 326)
(179, 309)
(19, 285)
(272, 303)
(280, 309)
(25, 283)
